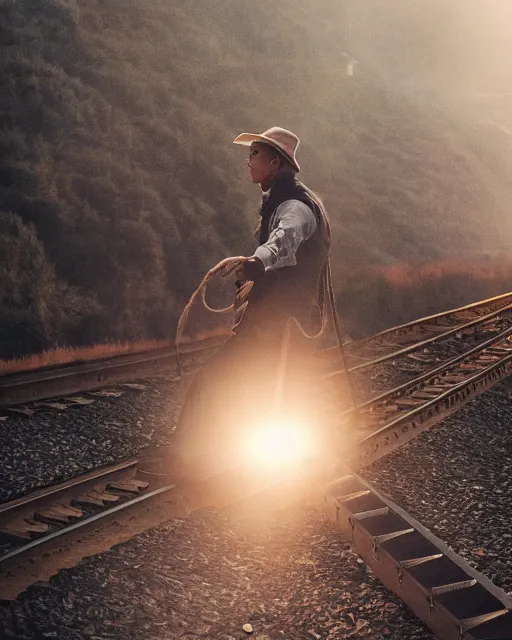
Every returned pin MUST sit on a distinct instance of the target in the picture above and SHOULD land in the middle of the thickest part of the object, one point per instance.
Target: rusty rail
(449, 596)
(420, 324)
(149, 498)
(20, 388)
(473, 324)
(405, 427)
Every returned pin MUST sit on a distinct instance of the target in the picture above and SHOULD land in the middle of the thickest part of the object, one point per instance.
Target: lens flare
(278, 444)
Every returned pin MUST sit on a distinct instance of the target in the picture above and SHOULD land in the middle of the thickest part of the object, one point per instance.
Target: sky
(448, 45)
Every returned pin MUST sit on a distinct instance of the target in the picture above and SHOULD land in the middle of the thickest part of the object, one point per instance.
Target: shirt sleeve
(293, 223)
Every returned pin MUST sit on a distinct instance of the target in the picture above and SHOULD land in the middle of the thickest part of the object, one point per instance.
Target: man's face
(261, 167)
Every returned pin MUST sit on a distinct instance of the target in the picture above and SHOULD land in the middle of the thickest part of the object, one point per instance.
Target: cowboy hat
(282, 140)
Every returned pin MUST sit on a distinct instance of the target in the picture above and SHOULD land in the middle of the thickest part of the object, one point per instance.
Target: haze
(120, 188)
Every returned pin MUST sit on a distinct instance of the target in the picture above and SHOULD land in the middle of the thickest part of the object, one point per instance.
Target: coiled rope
(223, 268)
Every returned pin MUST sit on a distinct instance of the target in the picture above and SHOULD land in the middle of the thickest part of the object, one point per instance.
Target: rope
(329, 290)
(328, 301)
(223, 268)
(336, 322)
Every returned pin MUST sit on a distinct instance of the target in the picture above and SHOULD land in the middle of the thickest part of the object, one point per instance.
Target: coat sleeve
(293, 223)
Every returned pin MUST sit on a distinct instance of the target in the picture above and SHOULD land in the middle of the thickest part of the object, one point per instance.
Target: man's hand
(252, 270)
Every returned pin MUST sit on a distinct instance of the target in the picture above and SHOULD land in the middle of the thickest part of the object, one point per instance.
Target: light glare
(278, 444)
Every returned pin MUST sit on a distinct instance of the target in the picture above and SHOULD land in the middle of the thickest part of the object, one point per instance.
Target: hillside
(119, 185)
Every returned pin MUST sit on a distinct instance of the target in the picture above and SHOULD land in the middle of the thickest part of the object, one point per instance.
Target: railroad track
(400, 340)
(408, 362)
(55, 527)
(380, 376)
(454, 600)
(34, 524)
(434, 387)
(39, 533)
(392, 418)
(53, 382)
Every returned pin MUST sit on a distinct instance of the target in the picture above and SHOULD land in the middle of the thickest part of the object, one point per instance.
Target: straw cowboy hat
(282, 140)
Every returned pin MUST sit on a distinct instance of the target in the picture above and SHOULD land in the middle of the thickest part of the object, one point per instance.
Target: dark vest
(289, 291)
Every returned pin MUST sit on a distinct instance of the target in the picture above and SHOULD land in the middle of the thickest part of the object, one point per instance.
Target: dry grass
(68, 355)
(478, 268)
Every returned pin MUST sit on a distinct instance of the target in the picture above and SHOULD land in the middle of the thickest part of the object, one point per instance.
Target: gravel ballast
(52, 446)
(290, 576)
(377, 379)
(456, 479)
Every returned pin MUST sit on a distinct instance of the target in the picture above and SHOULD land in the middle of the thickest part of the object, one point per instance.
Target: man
(235, 387)
(294, 235)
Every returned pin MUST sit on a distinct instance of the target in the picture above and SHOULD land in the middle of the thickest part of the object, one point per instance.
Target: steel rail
(64, 490)
(416, 345)
(400, 329)
(39, 559)
(403, 428)
(423, 343)
(419, 381)
(432, 377)
(50, 382)
(58, 504)
(41, 545)
(454, 600)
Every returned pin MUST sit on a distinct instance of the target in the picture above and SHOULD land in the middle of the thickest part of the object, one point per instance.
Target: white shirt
(292, 223)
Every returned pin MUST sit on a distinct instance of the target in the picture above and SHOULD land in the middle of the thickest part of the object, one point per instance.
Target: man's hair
(274, 153)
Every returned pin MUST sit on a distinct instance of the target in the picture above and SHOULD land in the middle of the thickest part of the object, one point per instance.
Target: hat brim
(247, 139)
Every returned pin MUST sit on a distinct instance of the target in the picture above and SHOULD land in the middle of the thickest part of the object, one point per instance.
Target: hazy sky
(464, 45)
